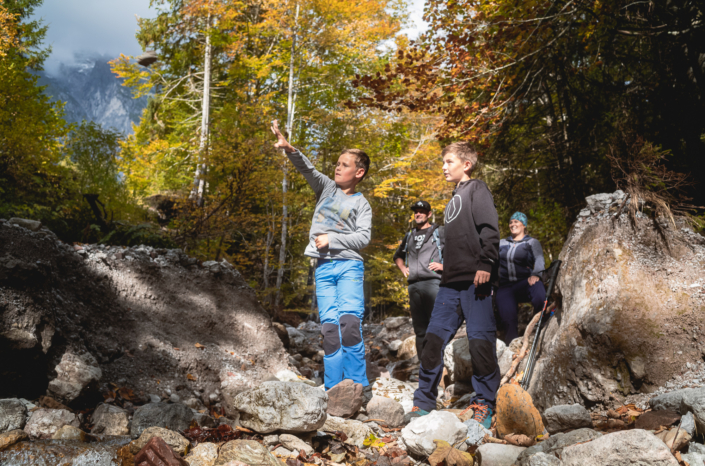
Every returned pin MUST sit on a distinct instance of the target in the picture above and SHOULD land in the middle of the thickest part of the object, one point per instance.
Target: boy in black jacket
(469, 272)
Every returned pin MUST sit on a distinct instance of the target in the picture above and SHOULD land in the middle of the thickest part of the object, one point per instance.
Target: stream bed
(64, 453)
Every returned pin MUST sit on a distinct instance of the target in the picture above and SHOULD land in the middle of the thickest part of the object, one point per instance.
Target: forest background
(563, 98)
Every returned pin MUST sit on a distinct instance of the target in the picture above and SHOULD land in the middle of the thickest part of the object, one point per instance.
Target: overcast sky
(109, 26)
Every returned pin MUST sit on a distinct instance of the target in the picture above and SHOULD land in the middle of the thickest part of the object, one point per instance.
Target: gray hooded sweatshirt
(347, 220)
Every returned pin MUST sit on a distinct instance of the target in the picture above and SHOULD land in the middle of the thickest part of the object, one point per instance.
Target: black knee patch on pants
(483, 357)
(432, 352)
(350, 330)
(331, 338)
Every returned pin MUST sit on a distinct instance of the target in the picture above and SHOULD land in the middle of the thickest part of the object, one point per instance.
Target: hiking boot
(415, 412)
(481, 413)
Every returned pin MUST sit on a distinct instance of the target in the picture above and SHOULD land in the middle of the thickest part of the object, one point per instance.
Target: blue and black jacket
(519, 260)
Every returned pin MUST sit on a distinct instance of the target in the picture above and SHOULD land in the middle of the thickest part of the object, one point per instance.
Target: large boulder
(153, 319)
(43, 423)
(630, 303)
(289, 406)
(637, 447)
(13, 415)
(419, 435)
(175, 416)
(110, 420)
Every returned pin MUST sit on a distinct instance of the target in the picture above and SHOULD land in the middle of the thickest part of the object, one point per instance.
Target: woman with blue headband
(520, 266)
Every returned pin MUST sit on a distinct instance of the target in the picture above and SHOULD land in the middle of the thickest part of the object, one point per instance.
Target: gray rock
(494, 454)
(566, 417)
(174, 398)
(555, 444)
(284, 452)
(380, 407)
(688, 423)
(32, 225)
(204, 420)
(176, 441)
(110, 420)
(505, 361)
(476, 433)
(250, 452)
(356, 431)
(293, 407)
(634, 447)
(693, 459)
(694, 401)
(695, 447)
(395, 345)
(671, 401)
(154, 398)
(419, 435)
(43, 423)
(13, 414)
(296, 339)
(391, 323)
(175, 416)
(271, 440)
(75, 374)
(542, 459)
(294, 443)
(456, 358)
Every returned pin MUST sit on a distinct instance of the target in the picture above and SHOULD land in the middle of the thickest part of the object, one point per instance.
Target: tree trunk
(291, 109)
(267, 246)
(199, 182)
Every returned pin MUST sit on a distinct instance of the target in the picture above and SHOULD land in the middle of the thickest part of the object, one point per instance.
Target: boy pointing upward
(341, 226)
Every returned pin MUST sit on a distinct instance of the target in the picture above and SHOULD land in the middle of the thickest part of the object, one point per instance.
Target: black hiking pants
(422, 296)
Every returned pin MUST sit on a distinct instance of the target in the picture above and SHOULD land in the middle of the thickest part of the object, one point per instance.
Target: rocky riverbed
(121, 356)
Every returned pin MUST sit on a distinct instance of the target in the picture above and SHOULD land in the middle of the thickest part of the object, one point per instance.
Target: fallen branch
(524, 345)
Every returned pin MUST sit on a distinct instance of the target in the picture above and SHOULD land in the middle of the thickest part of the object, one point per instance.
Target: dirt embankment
(153, 319)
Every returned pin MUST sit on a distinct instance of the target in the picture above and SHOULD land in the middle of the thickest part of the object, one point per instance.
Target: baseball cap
(421, 205)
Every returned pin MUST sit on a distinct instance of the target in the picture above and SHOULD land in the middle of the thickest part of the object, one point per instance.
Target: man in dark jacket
(420, 259)
(469, 272)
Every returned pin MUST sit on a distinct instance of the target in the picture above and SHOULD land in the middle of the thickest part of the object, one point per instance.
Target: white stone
(494, 454)
(294, 443)
(293, 407)
(419, 435)
(397, 390)
(204, 454)
(43, 423)
(356, 431)
(476, 433)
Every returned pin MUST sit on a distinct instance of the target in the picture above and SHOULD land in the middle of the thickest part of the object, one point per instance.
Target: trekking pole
(555, 266)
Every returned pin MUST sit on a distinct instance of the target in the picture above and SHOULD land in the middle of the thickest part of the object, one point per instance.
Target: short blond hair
(464, 151)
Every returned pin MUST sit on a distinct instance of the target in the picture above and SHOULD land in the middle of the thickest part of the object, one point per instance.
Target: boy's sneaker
(481, 413)
(415, 412)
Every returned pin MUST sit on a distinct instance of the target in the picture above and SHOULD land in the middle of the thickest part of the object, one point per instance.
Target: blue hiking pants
(455, 302)
(508, 298)
(341, 306)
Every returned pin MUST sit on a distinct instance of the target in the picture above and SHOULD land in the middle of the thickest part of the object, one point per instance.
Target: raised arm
(318, 181)
(361, 237)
